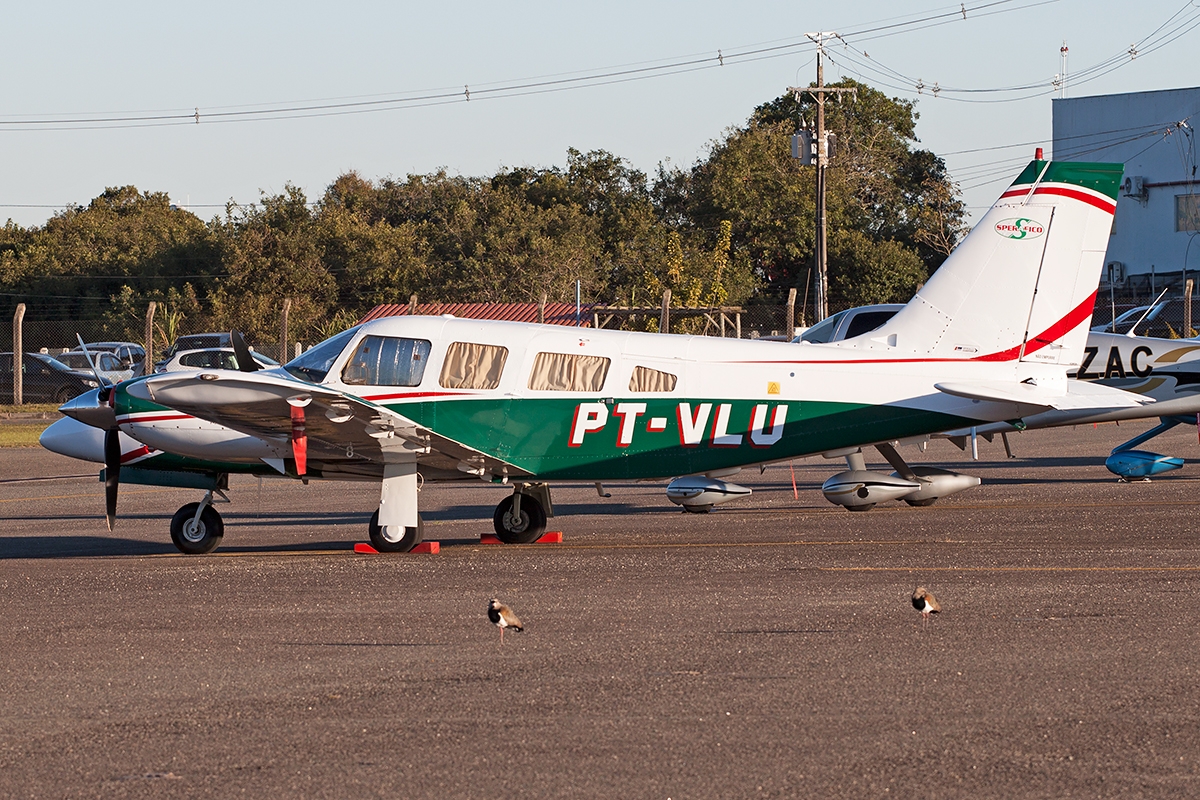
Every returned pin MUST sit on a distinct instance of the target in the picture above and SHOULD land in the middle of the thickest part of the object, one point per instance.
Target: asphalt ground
(768, 649)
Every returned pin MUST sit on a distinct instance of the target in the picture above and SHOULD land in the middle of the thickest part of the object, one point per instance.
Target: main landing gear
(197, 528)
(520, 518)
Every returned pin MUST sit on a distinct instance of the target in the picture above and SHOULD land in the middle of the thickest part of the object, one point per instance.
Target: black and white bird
(926, 603)
(503, 617)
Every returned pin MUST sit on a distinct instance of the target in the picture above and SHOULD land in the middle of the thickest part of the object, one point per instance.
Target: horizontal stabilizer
(1080, 395)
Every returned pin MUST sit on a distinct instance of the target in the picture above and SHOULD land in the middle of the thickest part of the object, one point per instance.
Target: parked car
(44, 380)
(210, 358)
(849, 323)
(1165, 320)
(193, 341)
(131, 354)
(107, 364)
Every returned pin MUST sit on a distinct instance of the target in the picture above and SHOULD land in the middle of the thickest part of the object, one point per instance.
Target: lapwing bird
(926, 603)
(503, 617)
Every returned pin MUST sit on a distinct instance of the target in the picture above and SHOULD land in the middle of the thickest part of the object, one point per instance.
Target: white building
(1154, 243)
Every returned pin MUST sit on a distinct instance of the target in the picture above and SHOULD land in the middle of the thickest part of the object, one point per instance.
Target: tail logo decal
(1020, 228)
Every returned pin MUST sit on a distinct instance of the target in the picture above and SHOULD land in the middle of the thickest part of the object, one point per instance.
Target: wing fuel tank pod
(861, 489)
(936, 483)
(699, 493)
(1140, 464)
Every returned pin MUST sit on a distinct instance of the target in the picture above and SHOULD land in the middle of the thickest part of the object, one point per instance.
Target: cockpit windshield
(313, 365)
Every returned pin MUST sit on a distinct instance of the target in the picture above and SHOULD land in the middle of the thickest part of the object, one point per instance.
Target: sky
(642, 80)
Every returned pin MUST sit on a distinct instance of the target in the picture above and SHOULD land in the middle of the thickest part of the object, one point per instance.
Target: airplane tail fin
(1022, 284)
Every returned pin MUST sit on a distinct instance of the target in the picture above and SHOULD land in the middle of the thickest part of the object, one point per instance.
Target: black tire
(384, 543)
(63, 395)
(928, 501)
(207, 534)
(531, 527)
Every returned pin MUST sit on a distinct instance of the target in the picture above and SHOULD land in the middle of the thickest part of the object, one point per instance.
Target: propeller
(112, 444)
(112, 474)
(246, 362)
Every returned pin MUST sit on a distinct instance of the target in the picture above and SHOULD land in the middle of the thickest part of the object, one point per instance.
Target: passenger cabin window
(560, 372)
(387, 361)
(651, 380)
(473, 366)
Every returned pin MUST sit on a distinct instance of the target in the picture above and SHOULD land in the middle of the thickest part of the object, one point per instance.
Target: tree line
(734, 228)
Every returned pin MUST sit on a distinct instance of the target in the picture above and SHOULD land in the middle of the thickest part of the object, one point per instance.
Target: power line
(359, 104)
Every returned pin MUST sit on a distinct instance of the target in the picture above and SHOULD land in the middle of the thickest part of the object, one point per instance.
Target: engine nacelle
(699, 493)
(937, 483)
(861, 489)
(1133, 464)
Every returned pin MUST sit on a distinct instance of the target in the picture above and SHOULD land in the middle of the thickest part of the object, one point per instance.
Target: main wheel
(393, 538)
(528, 529)
(199, 537)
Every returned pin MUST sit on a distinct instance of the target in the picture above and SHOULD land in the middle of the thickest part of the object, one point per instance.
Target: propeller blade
(246, 362)
(91, 362)
(112, 473)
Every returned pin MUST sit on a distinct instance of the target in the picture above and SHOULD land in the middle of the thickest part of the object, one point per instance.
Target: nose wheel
(395, 539)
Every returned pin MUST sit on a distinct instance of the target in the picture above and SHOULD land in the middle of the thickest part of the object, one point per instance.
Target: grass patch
(29, 408)
(21, 435)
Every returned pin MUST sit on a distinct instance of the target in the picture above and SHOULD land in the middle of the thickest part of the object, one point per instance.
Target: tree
(880, 185)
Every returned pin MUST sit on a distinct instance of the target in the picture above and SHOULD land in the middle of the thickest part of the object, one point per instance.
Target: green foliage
(735, 227)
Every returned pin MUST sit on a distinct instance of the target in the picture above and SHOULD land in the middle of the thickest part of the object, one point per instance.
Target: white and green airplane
(991, 337)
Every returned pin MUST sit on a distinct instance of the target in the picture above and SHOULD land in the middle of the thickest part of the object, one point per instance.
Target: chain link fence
(138, 345)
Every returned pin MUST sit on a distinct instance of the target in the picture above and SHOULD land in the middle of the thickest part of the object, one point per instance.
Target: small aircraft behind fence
(990, 337)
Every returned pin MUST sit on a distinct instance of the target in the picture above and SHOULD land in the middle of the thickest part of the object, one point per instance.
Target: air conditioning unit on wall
(1114, 273)
(1135, 186)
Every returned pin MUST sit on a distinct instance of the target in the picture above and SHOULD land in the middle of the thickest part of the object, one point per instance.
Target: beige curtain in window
(645, 379)
(559, 372)
(473, 366)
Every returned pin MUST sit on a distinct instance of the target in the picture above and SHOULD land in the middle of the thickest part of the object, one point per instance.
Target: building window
(387, 361)
(561, 372)
(473, 366)
(1187, 212)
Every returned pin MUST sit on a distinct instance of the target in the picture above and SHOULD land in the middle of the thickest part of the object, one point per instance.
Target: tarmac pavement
(768, 649)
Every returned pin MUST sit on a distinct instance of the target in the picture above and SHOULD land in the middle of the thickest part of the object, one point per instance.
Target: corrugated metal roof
(556, 313)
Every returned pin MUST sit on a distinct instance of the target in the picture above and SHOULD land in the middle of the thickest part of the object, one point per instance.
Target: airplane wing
(339, 427)
(1080, 395)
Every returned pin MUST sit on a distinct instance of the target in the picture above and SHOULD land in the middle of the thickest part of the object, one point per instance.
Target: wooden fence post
(664, 317)
(790, 327)
(148, 343)
(18, 354)
(283, 330)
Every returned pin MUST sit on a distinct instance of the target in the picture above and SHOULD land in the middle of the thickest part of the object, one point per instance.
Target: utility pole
(820, 154)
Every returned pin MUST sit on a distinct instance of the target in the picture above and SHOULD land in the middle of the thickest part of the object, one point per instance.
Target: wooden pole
(283, 330)
(790, 326)
(412, 305)
(664, 317)
(542, 310)
(18, 354)
(148, 339)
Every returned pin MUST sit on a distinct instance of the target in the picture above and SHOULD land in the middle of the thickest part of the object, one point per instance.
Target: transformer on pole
(816, 148)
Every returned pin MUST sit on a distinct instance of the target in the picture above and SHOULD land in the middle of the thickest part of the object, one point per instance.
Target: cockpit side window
(313, 365)
(387, 361)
